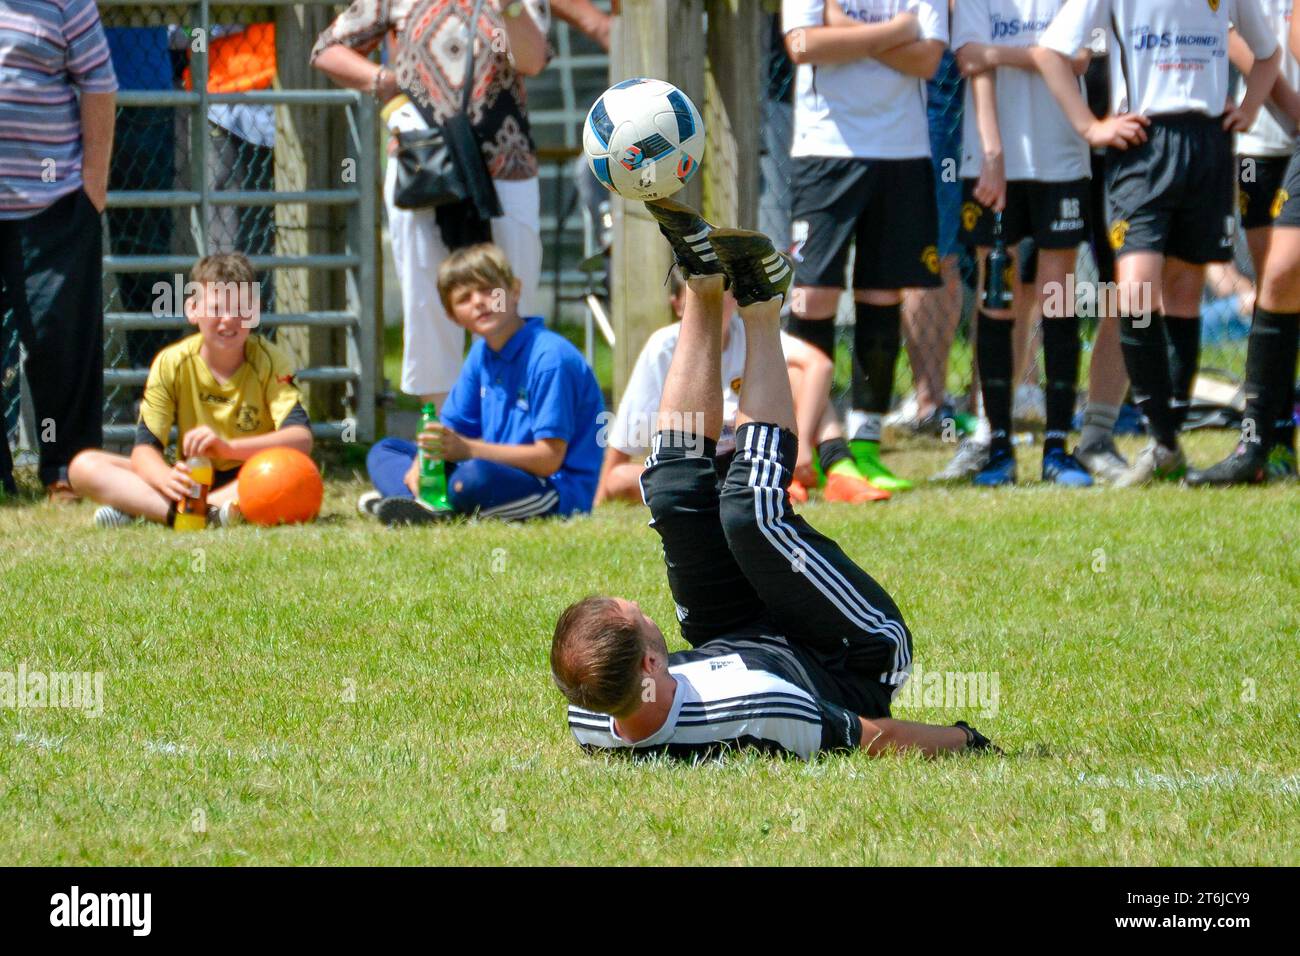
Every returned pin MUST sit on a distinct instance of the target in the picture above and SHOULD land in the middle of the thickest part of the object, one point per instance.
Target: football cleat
(999, 470)
(852, 490)
(1247, 465)
(866, 455)
(1103, 460)
(970, 458)
(1061, 468)
(1154, 462)
(755, 270)
(688, 234)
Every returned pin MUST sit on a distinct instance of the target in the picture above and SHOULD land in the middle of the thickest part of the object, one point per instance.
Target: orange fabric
(240, 62)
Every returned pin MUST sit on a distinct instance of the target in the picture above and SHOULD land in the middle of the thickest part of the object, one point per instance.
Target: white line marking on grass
(166, 748)
(40, 743)
(1228, 779)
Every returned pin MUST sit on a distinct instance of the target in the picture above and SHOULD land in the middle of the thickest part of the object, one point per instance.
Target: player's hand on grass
(178, 483)
(975, 58)
(1120, 132)
(441, 442)
(991, 187)
(204, 441)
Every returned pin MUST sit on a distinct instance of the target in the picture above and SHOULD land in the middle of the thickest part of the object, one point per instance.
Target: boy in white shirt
(1022, 161)
(1267, 179)
(629, 435)
(1169, 177)
(862, 177)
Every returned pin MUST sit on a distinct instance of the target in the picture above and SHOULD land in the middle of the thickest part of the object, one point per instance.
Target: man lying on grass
(796, 648)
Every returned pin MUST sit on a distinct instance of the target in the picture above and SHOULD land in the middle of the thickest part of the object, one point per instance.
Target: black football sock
(1142, 340)
(877, 337)
(993, 353)
(1284, 423)
(831, 452)
(1262, 349)
(1061, 362)
(1184, 334)
(816, 332)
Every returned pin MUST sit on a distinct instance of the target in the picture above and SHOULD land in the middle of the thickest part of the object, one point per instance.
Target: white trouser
(432, 344)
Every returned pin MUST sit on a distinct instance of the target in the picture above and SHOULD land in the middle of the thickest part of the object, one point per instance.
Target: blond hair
(483, 266)
(223, 267)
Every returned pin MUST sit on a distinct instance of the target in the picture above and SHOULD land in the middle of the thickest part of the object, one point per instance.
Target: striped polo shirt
(49, 49)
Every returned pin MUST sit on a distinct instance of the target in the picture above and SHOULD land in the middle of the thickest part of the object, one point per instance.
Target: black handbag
(444, 164)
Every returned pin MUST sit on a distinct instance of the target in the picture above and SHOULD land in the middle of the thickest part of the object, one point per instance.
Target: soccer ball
(280, 486)
(644, 139)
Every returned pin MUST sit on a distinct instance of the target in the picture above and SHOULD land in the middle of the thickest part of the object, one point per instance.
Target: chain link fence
(221, 147)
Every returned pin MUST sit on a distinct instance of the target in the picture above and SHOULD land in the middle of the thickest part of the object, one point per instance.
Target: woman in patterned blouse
(427, 41)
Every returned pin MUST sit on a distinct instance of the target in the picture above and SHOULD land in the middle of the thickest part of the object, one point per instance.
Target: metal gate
(315, 242)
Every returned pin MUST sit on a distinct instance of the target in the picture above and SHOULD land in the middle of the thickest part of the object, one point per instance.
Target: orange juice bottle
(192, 510)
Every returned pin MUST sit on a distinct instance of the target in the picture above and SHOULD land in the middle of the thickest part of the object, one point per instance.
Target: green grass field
(347, 694)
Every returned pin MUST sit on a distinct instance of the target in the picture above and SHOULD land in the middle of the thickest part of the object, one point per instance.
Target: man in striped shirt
(56, 133)
(796, 649)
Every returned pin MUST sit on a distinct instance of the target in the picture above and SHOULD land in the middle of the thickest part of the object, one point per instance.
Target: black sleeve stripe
(297, 416)
(732, 717)
(143, 436)
(800, 706)
(789, 701)
(696, 752)
(808, 713)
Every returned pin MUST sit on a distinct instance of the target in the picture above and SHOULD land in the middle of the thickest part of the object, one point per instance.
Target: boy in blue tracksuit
(518, 430)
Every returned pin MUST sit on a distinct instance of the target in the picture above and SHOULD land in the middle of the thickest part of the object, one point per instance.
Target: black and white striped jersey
(732, 693)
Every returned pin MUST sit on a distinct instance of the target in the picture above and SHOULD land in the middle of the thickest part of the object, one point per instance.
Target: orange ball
(280, 486)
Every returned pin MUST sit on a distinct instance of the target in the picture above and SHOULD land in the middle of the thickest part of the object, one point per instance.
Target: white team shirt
(1274, 133)
(1038, 141)
(721, 703)
(864, 109)
(633, 427)
(1172, 55)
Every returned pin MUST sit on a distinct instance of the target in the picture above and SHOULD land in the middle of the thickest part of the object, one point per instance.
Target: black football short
(1259, 188)
(1175, 193)
(1287, 200)
(1054, 215)
(884, 207)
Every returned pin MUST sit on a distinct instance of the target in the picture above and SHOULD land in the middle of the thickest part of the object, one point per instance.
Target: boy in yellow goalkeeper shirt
(228, 392)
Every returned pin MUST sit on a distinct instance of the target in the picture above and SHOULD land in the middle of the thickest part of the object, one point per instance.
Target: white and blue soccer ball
(644, 139)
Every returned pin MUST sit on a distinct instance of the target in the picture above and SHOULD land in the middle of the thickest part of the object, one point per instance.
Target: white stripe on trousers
(769, 506)
(531, 506)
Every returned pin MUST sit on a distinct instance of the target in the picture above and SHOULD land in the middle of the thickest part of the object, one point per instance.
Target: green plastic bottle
(433, 473)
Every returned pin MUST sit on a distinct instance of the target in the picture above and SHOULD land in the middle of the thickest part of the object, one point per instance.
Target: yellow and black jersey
(259, 398)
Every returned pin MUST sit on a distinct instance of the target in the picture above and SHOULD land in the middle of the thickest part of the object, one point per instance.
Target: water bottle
(433, 472)
(999, 285)
(192, 510)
